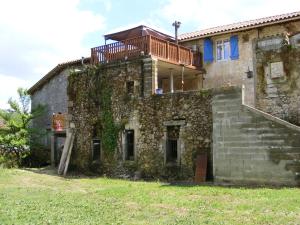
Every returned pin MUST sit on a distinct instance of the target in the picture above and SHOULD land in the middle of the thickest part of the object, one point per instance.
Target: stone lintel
(175, 123)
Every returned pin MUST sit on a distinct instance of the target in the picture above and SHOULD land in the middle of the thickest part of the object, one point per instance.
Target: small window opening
(130, 87)
(96, 144)
(96, 149)
(172, 144)
(129, 141)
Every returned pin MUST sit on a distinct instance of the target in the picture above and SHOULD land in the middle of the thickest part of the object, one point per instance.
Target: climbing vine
(99, 93)
(102, 95)
(109, 128)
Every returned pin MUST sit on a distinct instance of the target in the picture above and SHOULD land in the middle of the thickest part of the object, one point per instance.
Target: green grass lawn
(39, 197)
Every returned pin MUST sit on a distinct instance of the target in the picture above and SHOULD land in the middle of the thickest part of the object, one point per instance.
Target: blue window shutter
(208, 55)
(234, 47)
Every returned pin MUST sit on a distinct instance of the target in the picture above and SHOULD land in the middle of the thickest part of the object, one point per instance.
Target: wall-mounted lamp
(249, 73)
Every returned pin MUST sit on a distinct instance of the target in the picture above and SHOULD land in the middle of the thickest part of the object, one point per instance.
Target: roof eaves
(246, 25)
(57, 69)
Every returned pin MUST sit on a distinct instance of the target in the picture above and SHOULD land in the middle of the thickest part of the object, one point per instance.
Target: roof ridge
(233, 25)
(54, 71)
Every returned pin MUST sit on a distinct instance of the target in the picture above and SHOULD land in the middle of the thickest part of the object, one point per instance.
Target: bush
(16, 135)
(12, 156)
(38, 156)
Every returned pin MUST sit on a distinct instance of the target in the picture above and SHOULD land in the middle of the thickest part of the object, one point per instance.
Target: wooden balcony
(146, 45)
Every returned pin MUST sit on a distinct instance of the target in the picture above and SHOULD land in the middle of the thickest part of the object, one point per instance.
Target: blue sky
(36, 35)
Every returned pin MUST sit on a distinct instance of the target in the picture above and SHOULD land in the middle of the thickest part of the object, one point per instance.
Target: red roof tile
(240, 26)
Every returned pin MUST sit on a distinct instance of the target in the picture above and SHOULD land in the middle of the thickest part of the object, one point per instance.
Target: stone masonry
(278, 82)
(147, 114)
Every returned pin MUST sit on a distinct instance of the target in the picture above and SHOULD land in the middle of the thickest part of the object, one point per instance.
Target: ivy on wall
(99, 91)
(109, 129)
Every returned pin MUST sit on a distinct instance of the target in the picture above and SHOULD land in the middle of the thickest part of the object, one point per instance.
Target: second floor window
(222, 50)
(130, 87)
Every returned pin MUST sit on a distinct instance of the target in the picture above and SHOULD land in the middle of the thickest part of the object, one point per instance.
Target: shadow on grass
(226, 185)
(52, 171)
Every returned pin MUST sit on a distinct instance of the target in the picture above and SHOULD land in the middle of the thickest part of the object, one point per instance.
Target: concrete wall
(54, 96)
(252, 147)
(232, 72)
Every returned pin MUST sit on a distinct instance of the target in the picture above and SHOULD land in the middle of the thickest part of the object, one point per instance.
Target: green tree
(16, 136)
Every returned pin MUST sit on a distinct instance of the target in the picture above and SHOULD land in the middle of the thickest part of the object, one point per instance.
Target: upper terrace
(143, 40)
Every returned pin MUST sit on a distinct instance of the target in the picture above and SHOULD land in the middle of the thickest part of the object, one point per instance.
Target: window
(172, 144)
(129, 144)
(96, 144)
(223, 50)
(130, 87)
(96, 149)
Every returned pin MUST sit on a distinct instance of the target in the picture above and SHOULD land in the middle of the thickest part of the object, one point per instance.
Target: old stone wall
(232, 72)
(139, 110)
(250, 146)
(192, 112)
(278, 82)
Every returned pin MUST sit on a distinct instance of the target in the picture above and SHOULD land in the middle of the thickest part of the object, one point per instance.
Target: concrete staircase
(250, 146)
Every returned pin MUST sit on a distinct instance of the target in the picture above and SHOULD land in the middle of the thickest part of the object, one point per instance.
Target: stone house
(230, 51)
(150, 105)
(51, 92)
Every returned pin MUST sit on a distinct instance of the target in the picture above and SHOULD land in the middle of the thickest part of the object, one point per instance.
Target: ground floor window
(96, 149)
(172, 144)
(129, 144)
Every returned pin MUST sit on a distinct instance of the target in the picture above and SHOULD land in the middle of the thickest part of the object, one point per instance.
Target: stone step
(227, 114)
(263, 130)
(254, 143)
(239, 122)
(289, 138)
(227, 101)
(274, 149)
(227, 97)
(226, 108)
(237, 132)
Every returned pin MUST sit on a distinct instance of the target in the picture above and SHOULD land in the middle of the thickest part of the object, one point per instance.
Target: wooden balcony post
(171, 81)
(178, 54)
(167, 51)
(150, 45)
(182, 78)
(126, 49)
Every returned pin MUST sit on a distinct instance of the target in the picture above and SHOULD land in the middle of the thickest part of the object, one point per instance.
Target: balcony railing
(145, 45)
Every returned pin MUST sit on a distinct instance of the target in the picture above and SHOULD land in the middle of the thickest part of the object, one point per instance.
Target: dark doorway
(96, 150)
(172, 144)
(59, 142)
(129, 142)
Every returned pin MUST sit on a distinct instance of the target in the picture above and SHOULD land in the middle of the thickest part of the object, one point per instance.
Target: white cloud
(42, 33)
(204, 14)
(9, 86)
(37, 35)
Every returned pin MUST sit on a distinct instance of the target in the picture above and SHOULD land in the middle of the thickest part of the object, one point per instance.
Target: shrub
(16, 135)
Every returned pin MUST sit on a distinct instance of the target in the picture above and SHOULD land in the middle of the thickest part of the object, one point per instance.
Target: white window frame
(221, 42)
